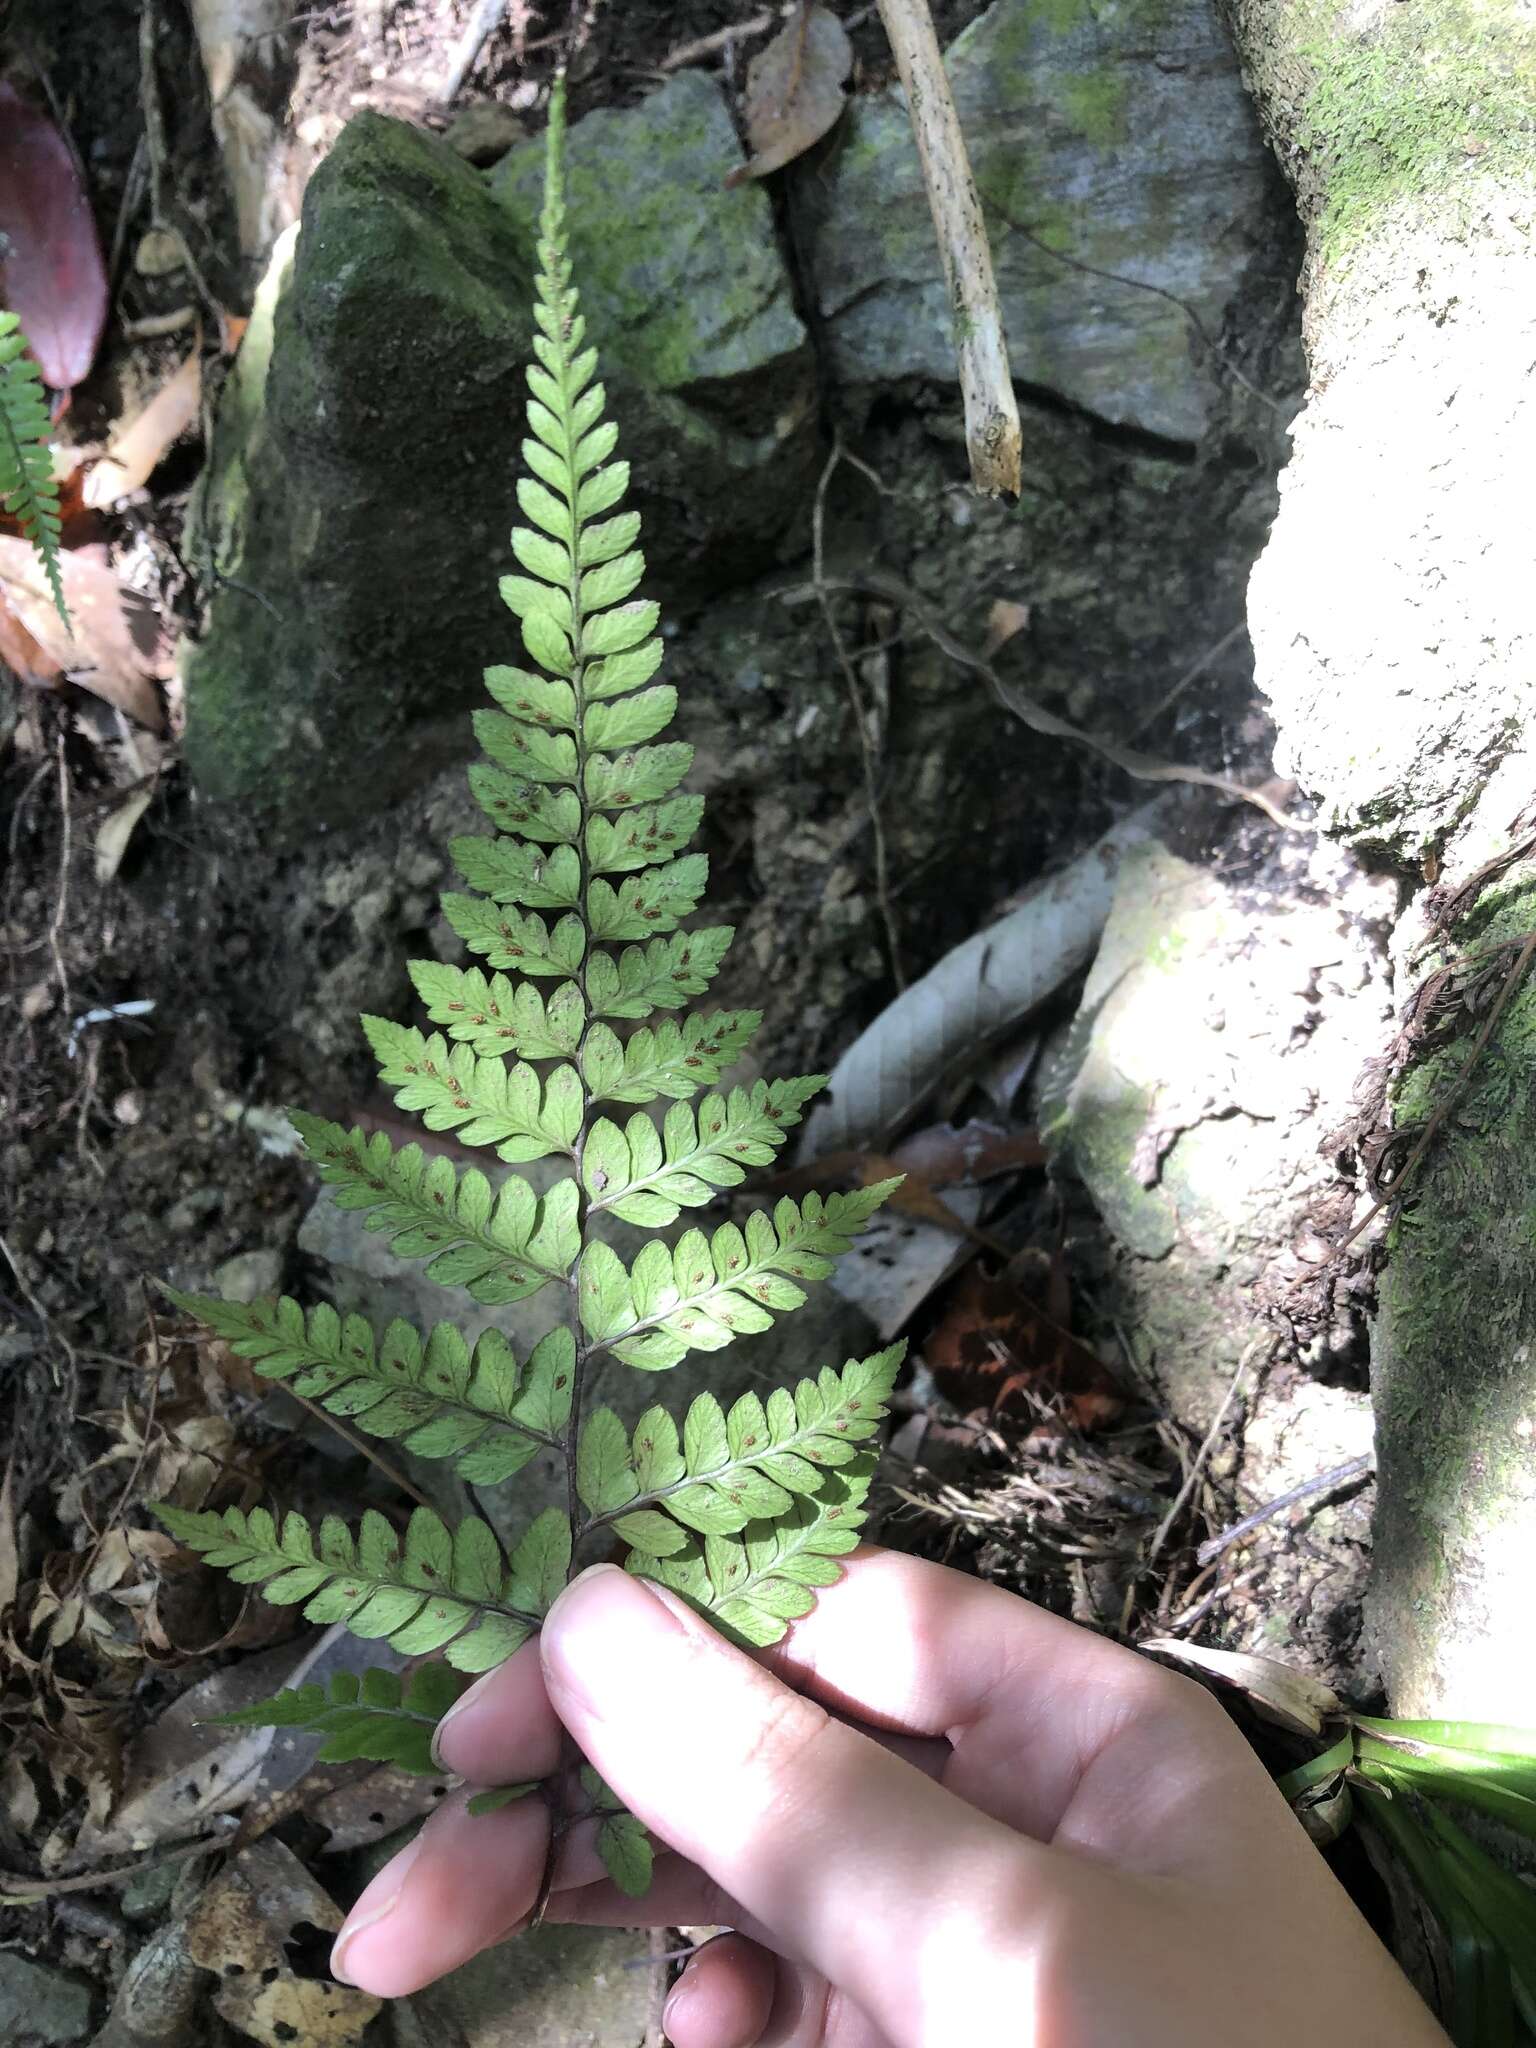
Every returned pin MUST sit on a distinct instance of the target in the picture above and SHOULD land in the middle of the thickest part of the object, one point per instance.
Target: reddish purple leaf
(51, 273)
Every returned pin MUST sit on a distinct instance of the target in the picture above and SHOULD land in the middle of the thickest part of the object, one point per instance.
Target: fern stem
(552, 254)
(557, 268)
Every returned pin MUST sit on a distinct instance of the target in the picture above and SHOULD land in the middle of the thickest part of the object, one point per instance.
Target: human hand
(937, 1816)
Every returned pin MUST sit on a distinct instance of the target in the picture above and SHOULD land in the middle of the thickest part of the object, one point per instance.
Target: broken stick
(992, 435)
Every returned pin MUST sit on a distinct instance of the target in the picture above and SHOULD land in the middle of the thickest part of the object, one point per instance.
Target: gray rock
(562, 1987)
(40, 2006)
(356, 511)
(249, 1275)
(692, 310)
(1187, 1103)
(1118, 135)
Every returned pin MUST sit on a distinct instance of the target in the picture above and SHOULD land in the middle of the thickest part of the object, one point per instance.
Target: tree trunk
(1394, 618)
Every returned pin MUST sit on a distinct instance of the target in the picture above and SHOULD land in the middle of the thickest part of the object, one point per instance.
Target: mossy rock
(366, 456)
(1120, 137)
(1454, 1370)
(692, 309)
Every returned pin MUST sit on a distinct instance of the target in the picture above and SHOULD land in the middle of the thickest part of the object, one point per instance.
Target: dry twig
(1143, 767)
(700, 47)
(1324, 1482)
(992, 434)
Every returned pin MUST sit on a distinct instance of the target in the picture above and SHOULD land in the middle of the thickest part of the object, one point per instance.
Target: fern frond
(495, 1015)
(647, 1176)
(432, 1588)
(634, 840)
(510, 940)
(27, 488)
(573, 907)
(752, 1586)
(727, 1469)
(622, 1841)
(379, 1716)
(702, 1293)
(437, 1398)
(674, 1059)
(499, 1246)
(658, 976)
(511, 1108)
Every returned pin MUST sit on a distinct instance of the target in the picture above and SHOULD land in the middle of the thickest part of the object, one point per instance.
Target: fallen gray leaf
(984, 986)
(897, 1262)
(794, 90)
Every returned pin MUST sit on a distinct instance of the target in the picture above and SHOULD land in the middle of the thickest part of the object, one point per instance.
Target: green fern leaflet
(557, 1044)
(27, 489)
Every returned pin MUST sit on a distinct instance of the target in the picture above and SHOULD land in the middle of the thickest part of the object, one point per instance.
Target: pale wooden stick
(992, 434)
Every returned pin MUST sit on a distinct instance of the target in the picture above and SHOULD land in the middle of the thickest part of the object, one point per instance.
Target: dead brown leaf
(182, 1770)
(239, 1930)
(996, 1347)
(951, 1155)
(19, 1800)
(138, 447)
(794, 90)
(369, 1808)
(112, 649)
(1004, 619)
(20, 652)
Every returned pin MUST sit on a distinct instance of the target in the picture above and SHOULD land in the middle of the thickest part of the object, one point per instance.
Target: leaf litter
(795, 91)
(51, 271)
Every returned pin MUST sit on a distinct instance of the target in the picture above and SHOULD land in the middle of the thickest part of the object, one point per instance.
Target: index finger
(839, 1849)
(904, 1646)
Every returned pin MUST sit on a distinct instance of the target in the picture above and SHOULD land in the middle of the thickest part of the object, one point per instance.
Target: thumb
(852, 1860)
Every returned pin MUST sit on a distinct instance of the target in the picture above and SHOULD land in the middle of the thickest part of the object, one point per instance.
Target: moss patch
(1455, 1374)
(1407, 109)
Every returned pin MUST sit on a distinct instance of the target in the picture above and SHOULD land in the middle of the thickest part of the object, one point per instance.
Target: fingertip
(599, 1633)
(724, 1997)
(464, 1882)
(503, 1729)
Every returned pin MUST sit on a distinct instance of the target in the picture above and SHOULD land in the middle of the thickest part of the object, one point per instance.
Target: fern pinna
(582, 893)
(27, 487)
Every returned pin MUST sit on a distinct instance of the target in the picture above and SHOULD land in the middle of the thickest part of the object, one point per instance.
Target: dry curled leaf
(794, 90)
(1291, 1699)
(899, 1259)
(182, 1770)
(116, 829)
(138, 446)
(367, 1809)
(51, 272)
(112, 649)
(1004, 619)
(980, 989)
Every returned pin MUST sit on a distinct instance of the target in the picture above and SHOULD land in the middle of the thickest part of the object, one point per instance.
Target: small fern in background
(27, 489)
(581, 894)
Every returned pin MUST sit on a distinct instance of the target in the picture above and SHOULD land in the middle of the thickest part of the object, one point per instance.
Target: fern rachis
(27, 488)
(584, 884)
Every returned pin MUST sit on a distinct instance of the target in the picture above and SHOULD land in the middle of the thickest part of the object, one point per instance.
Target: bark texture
(1394, 618)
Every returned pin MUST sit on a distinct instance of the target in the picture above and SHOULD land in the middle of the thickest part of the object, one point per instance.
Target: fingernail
(599, 1632)
(678, 1999)
(369, 1911)
(465, 1701)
